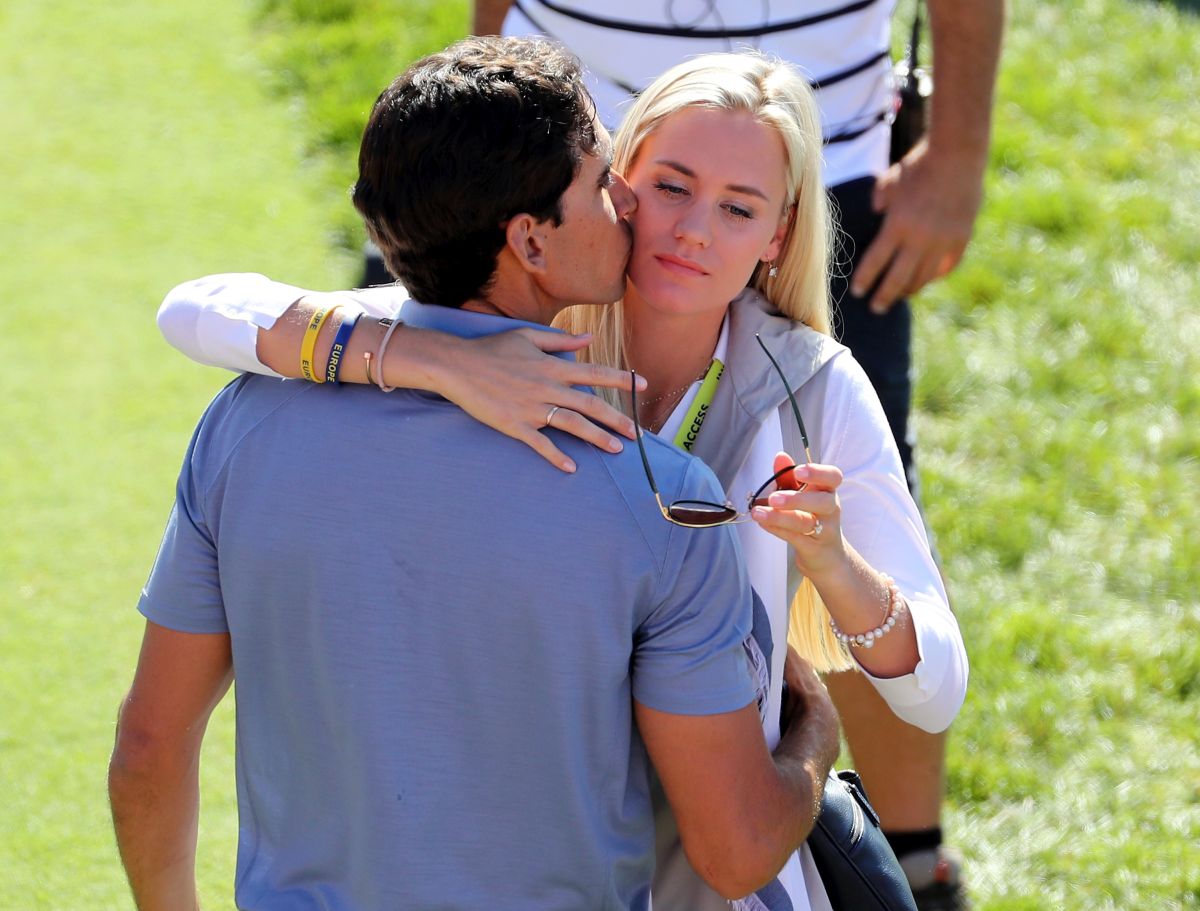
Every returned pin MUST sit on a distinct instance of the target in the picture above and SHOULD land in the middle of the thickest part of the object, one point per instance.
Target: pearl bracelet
(894, 605)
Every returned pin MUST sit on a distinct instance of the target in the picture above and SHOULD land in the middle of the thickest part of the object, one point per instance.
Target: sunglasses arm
(788, 389)
(637, 429)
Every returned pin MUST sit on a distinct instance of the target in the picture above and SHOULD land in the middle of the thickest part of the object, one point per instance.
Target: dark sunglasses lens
(699, 514)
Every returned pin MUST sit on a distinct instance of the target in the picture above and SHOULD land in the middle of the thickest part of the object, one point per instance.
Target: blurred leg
(902, 767)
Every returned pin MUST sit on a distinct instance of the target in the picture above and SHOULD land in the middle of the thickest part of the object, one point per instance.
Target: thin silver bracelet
(894, 605)
(392, 325)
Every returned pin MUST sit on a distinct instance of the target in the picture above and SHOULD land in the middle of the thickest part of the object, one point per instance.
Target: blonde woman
(729, 269)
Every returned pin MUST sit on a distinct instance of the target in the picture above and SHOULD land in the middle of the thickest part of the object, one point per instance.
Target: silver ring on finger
(550, 415)
(816, 530)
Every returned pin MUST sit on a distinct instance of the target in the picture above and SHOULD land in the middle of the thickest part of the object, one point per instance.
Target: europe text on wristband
(334, 366)
(309, 345)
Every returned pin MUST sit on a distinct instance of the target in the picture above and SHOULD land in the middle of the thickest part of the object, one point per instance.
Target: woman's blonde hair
(775, 94)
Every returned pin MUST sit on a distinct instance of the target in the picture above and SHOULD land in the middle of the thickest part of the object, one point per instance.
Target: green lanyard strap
(690, 428)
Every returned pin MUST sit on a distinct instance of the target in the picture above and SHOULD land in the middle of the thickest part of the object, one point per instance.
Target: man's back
(437, 640)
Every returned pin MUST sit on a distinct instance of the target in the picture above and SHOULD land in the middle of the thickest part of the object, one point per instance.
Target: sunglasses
(702, 513)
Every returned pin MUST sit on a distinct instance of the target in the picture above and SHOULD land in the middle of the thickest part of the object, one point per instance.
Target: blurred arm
(153, 776)
(489, 16)
(966, 52)
(931, 197)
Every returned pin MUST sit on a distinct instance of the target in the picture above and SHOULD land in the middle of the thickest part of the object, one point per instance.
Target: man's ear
(525, 238)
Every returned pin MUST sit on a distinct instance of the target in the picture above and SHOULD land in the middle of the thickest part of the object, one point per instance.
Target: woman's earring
(772, 269)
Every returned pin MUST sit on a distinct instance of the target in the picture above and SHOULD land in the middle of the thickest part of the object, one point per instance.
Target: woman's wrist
(365, 339)
(859, 600)
(421, 359)
(412, 360)
(853, 594)
(893, 606)
(838, 571)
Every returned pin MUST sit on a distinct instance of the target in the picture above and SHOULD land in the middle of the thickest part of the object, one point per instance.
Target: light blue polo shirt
(437, 639)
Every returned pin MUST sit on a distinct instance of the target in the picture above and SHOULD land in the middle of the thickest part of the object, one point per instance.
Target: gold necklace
(671, 397)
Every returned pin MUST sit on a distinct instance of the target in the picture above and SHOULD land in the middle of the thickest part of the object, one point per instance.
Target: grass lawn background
(140, 149)
(1058, 397)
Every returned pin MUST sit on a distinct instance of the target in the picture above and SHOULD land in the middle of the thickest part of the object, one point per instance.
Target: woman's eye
(669, 188)
(738, 211)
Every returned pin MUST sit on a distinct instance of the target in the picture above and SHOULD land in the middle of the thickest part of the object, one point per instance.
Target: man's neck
(528, 309)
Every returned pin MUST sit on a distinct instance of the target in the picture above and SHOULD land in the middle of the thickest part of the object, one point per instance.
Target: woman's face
(710, 187)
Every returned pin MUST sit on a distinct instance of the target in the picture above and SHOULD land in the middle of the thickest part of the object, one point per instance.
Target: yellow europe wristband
(308, 347)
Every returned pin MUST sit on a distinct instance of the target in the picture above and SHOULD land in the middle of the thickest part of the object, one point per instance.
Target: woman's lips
(679, 266)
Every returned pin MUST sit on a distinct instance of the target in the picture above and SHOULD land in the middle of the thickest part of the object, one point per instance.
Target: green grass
(1058, 397)
(140, 149)
(335, 57)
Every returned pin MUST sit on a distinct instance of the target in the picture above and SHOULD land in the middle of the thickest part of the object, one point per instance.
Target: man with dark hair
(437, 692)
(506, 149)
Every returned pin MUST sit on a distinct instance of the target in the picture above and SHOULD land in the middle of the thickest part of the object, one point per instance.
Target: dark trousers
(882, 344)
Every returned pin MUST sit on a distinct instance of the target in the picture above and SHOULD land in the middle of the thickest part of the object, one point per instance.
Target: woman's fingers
(821, 477)
(820, 503)
(794, 516)
(805, 512)
(568, 421)
(544, 446)
(550, 341)
(805, 505)
(554, 379)
(579, 373)
(574, 423)
(593, 408)
(511, 383)
(584, 374)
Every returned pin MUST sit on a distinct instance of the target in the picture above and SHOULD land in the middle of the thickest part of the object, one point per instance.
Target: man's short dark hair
(457, 145)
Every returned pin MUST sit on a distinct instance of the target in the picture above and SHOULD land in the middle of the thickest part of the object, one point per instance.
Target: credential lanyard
(690, 428)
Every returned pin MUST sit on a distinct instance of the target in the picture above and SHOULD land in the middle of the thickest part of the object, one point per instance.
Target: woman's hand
(856, 595)
(805, 513)
(511, 382)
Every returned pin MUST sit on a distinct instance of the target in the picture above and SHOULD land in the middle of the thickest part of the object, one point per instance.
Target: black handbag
(858, 868)
(914, 85)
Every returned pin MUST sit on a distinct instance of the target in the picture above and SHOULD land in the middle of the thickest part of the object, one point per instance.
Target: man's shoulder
(249, 397)
(679, 469)
(677, 474)
(243, 404)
